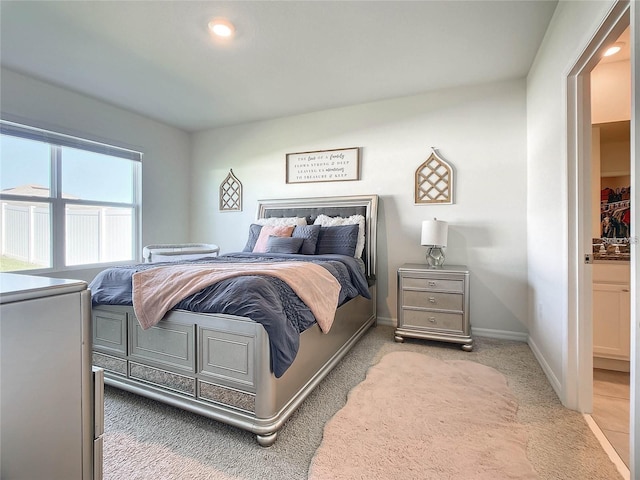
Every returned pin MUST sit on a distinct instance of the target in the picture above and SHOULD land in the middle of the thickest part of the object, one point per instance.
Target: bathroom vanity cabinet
(611, 315)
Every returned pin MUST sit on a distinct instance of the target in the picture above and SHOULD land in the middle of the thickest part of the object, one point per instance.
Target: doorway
(611, 304)
(610, 82)
(580, 375)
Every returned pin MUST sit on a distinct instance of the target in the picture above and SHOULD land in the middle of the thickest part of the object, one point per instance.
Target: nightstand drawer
(432, 320)
(433, 284)
(443, 301)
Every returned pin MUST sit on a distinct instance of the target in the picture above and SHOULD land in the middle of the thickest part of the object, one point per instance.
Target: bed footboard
(218, 365)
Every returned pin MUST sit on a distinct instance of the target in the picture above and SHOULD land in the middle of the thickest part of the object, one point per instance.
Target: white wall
(165, 168)
(480, 130)
(570, 30)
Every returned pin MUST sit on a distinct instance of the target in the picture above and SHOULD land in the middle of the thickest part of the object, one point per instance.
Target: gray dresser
(433, 304)
(51, 399)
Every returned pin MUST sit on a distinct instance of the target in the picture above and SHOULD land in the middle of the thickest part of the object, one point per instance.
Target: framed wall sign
(324, 166)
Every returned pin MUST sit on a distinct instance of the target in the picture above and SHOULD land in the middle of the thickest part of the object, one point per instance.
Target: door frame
(634, 413)
(578, 361)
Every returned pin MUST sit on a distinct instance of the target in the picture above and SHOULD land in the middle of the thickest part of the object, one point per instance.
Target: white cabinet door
(611, 321)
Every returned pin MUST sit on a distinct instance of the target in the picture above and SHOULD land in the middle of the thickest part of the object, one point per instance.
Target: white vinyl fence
(93, 234)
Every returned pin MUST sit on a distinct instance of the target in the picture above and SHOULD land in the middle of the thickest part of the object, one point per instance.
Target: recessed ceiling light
(221, 27)
(613, 49)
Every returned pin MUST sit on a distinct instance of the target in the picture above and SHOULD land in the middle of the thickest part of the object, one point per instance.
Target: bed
(221, 365)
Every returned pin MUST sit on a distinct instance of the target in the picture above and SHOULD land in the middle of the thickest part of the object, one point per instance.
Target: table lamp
(434, 236)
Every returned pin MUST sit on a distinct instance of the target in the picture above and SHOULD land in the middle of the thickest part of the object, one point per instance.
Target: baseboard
(612, 364)
(553, 380)
(501, 334)
(387, 322)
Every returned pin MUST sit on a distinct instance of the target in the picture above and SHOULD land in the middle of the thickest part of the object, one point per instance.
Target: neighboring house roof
(33, 190)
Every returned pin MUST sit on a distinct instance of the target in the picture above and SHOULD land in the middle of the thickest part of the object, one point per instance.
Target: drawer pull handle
(431, 283)
(432, 300)
(432, 319)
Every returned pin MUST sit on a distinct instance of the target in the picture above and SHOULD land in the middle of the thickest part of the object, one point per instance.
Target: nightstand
(433, 304)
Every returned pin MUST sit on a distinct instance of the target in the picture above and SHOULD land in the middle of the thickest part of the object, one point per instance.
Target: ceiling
(624, 41)
(157, 58)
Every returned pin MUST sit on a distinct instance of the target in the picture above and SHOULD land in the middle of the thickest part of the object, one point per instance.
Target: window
(66, 202)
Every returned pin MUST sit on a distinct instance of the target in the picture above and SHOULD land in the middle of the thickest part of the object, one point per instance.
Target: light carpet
(145, 439)
(425, 418)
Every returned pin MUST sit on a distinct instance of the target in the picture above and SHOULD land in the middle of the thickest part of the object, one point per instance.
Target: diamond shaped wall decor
(434, 181)
(231, 194)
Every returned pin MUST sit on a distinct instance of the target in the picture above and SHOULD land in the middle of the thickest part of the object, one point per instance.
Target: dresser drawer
(443, 301)
(433, 284)
(432, 320)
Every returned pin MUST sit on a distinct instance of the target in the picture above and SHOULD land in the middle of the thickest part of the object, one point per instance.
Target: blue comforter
(264, 299)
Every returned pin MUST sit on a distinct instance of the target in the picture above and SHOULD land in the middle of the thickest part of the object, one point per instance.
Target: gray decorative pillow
(325, 221)
(254, 233)
(309, 234)
(283, 244)
(339, 239)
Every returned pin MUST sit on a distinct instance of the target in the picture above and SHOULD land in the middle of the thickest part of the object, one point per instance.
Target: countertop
(606, 250)
(611, 257)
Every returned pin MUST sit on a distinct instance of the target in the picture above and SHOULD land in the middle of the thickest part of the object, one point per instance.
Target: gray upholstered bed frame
(219, 365)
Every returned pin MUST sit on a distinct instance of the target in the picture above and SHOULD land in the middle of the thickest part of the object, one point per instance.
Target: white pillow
(325, 221)
(282, 221)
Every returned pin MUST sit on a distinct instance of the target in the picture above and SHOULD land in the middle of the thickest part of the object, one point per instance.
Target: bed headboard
(365, 205)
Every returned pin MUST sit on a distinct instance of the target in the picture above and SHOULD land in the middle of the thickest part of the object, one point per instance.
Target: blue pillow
(341, 239)
(309, 234)
(254, 233)
(283, 244)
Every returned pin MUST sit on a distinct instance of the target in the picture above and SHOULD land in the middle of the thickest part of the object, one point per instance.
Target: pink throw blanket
(158, 290)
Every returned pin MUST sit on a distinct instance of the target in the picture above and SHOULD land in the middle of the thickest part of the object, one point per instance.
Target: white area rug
(417, 417)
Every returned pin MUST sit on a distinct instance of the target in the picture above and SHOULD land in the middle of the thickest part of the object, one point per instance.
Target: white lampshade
(434, 232)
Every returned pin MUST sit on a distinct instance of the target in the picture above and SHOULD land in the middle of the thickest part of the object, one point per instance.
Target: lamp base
(435, 256)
